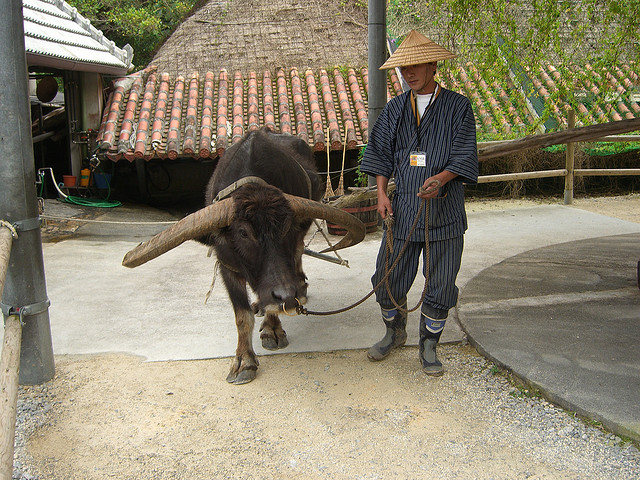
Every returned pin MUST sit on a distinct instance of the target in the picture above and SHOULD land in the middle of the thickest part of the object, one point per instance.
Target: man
(425, 139)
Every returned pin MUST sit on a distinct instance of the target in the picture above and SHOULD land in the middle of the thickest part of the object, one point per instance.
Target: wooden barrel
(366, 210)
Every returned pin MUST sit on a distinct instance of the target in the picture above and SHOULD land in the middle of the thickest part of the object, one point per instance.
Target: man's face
(420, 77)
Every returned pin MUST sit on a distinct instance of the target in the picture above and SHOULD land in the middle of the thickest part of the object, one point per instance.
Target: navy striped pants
(444, 263)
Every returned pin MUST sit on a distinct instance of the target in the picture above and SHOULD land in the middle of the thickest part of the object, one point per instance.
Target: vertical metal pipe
(71, 102)
(377, 56)
(25, 282)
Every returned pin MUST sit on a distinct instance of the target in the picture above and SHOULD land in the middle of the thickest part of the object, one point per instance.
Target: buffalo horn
(220, 214)
(192, 226)
(305, 208)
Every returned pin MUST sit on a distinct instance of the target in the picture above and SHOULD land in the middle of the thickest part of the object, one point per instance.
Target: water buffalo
(260, 203)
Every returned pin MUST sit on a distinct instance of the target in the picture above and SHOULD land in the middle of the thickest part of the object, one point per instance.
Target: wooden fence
(570, 137)
(9, 363)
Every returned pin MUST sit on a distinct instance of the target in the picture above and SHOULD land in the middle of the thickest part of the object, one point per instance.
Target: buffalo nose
(284, 295)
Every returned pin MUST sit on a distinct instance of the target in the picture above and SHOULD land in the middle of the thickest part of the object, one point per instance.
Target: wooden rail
(571, 136)
(505, 177)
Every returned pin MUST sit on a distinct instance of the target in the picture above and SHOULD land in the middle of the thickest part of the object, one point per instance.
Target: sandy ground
(624, 207)
(307, 416)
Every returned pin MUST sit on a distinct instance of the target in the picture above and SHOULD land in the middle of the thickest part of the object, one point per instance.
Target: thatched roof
(245, 35)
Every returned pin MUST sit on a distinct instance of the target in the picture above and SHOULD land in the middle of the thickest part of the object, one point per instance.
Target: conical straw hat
(416, 49)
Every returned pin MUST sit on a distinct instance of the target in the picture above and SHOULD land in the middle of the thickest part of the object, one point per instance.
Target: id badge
(418, 159)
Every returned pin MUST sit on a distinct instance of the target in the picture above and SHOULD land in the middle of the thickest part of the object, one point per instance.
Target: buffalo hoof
(273, 340)
(257, 311)
(244, 369)
(242, 377)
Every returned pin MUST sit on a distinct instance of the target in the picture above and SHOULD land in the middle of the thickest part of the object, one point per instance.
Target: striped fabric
(444, 263)
(447, 134)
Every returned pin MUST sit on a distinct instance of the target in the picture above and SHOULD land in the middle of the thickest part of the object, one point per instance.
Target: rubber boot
(394, 337)
(427, 346)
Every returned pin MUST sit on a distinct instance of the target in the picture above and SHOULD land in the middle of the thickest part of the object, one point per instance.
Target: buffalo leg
(271, 333)
(245, 364)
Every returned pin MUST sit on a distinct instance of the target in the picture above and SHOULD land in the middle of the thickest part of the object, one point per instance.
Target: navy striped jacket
(447, 134)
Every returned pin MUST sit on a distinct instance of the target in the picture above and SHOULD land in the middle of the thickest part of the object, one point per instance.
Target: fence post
(568, 179)
(6, 239)
(9, 364)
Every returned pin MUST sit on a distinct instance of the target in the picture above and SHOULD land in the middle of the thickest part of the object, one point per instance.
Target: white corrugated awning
(57, 36)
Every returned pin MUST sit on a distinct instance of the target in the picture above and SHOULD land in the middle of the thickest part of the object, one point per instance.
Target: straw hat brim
(417, 49)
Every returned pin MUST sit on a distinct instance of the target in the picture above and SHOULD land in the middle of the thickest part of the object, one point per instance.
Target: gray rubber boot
(394, 337)
(427, 346)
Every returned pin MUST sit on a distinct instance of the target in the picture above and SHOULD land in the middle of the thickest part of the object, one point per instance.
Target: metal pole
(377, 56)
(25, 287)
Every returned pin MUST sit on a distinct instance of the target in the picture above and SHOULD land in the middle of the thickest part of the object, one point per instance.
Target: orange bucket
(69, 180)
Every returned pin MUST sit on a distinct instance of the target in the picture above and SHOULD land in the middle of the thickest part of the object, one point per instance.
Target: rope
(424, 204)
(340, 190)
(432, 186)
(113, 222)
(329, 190)
(10, 227)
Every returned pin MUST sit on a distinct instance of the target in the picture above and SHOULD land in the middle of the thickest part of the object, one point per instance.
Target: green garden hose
(75, 200)
(91, 202)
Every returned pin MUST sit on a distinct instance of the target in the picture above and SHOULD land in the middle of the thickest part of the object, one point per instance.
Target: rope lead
(432, 186)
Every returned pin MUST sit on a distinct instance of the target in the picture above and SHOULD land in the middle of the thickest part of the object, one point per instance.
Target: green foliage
(143, 25)
(613, 148)
(354, 3)
(583, 39)
(523, 392)
(362, 179)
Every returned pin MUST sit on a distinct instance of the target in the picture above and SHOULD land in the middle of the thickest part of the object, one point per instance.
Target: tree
(144, 25)
(593, 30)
(583, 39)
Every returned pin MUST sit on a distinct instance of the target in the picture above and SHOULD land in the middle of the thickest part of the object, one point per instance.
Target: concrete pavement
(545, 291)
(566, 318)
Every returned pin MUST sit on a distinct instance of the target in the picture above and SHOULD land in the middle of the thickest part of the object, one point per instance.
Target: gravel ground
(309, 416)
(312, 416)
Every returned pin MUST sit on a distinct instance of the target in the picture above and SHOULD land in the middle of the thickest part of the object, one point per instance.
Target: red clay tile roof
(149, 115)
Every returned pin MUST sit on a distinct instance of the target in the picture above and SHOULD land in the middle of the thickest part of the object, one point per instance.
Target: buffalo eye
(243, 232)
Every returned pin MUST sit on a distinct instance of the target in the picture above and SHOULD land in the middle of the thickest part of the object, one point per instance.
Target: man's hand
(432, 185)
(384, 205)
(430, 188)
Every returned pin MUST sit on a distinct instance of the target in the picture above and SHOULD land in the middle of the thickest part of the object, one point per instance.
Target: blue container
(102, 180)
